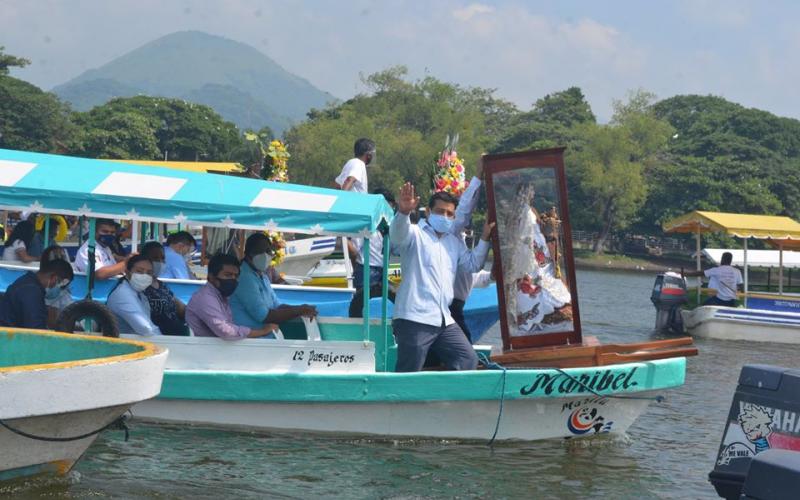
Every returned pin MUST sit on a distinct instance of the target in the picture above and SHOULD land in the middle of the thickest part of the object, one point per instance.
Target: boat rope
(120, 423)
(491, 365)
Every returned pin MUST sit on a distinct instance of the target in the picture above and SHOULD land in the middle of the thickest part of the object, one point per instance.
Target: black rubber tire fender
(85, 309)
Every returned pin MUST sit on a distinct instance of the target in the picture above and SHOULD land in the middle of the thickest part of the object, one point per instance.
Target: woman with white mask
(129, 303)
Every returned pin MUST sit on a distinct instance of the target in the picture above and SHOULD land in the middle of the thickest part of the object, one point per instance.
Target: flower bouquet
(274, 157)
(275, 168)
(448, 173)
(278, 245)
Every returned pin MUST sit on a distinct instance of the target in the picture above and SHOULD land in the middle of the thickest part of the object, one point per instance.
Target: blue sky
(747, 52)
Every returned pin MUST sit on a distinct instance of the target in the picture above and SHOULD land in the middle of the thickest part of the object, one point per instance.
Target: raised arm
(468, 201)
(400, 229)
(472, 261)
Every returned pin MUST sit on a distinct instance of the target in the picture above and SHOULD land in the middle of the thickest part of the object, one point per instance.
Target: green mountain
(239, 82)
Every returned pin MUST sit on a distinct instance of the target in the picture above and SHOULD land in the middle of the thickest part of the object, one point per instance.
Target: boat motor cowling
(669, 294)
(764, 415)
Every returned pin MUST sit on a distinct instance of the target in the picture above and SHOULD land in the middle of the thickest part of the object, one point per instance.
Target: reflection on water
(667, 453)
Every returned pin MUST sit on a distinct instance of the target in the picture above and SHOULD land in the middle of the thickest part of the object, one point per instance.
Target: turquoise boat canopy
(67, 185)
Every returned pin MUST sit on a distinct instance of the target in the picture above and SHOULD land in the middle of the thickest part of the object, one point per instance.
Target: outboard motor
(764, 416)
(669, 294)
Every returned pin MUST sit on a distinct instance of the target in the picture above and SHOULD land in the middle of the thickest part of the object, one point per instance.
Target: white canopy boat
(754, 321)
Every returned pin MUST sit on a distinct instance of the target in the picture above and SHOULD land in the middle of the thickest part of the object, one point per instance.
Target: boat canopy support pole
(46, 240)
(385, 301)
(697, 253)
(745, 272)
(780, 268)
(348, 266)
(365, 287)
(91, 263)
(134, 236)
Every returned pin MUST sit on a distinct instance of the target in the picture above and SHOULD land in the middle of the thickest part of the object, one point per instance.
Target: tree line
(652, 161)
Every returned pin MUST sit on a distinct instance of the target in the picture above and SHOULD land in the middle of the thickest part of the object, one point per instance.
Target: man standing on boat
(724, 278)
(354, 173)
(354, 178)
(106, 264)
(430, 257)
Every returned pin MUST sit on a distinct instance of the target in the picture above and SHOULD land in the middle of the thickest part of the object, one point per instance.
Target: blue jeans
(375, 276)
(415, 340)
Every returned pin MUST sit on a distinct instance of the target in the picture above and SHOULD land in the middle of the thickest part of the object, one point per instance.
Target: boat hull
(535, 404)
(521, 420)
(24, 457)
(743, 324)
(56, 385)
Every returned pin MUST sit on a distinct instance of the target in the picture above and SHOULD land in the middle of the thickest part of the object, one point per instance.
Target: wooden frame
(497, 169)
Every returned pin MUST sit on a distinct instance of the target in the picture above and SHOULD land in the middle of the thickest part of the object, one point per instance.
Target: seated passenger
(179, 248)
(208, 312)
(16, 247)
(128, 302)
(106, 264)
(166, 310)
(254, 302)
(64, 297)
(23, 305)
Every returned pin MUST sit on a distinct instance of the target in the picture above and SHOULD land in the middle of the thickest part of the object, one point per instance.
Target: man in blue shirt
(179, 247)
(430, 257)
(23, 305)
(254, 302)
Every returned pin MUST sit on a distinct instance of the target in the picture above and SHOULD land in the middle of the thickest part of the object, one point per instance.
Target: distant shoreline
(633, 264)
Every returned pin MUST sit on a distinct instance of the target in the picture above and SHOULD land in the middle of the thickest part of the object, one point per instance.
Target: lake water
(667, 453)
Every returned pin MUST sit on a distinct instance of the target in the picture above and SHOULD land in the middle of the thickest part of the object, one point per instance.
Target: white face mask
(261, 261)
(157, 266)
(140, 281)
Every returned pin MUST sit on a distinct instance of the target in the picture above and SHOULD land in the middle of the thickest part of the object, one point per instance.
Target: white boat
(341, 387)
(57, 389)
(763, 317)
(334, 375)
(303, 255)
(738, 323)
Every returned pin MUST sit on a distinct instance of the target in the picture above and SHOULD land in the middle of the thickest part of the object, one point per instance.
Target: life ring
(63, 227)
(100, 316)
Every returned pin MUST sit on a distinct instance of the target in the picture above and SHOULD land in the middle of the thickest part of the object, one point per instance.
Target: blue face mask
(106, 239)
(440, 223)
(52, 293)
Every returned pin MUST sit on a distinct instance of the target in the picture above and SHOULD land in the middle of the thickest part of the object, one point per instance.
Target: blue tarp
(68, 185)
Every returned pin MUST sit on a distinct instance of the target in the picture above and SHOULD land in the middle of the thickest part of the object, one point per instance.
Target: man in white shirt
(105, 263)
(430, 257)
(725, 279)
(354, 173)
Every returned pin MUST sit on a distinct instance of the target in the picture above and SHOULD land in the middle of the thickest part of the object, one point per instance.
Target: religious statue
(537, 298)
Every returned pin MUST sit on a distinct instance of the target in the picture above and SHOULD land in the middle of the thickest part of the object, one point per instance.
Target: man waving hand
(430, 257)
